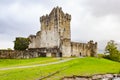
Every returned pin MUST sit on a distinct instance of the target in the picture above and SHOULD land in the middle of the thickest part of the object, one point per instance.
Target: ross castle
(54, 39)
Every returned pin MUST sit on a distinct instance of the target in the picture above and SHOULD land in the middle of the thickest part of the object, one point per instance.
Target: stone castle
(54, 39)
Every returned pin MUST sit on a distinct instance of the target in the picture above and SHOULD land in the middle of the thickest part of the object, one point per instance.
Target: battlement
(91, 42)
(38, 33)
(55, 14)
(32, 36)
(68, 17)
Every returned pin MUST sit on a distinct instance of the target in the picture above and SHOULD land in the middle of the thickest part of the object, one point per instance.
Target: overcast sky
(97, 20)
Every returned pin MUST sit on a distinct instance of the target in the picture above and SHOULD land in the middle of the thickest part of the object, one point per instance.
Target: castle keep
(54, 39)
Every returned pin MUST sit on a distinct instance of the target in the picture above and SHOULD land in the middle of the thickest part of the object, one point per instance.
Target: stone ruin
(94, 77)
(54, 38)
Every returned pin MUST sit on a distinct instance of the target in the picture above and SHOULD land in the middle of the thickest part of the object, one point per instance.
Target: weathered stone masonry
(11, 54)
(54, 39)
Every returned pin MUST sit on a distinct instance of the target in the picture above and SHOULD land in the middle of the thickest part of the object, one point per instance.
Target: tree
(111, 48)
(21, 43)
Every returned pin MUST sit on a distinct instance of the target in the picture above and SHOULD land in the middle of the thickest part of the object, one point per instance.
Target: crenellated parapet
(68, 17)
(56, 18)
(32, 36)
(38, 33)
(44, 18)
(92, 47)
(91, 43)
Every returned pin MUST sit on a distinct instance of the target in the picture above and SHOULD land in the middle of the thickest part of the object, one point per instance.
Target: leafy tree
(111, 48)
(21, 43)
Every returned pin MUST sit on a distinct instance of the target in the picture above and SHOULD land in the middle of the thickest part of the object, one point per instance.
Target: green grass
(23, 62)
(78, 66)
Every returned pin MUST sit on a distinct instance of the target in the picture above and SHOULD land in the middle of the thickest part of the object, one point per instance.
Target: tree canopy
(111, 48)
(21, 43)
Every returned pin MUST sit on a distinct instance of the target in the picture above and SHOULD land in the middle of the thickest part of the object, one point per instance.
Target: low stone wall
(94, 77)
(9, 54)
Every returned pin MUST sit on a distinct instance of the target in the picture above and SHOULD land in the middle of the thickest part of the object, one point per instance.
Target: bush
(21, 43)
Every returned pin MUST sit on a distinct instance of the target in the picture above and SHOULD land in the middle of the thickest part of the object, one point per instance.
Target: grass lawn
(23, 62)
(78, 66)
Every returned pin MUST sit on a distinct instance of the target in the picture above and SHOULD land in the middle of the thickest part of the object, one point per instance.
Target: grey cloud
(91, 19)
(6, 2)
(102, 7)
(22, 1)
(44, 3)
(18, 21)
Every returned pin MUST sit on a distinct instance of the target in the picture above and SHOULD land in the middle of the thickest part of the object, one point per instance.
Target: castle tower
(54, 28)
(55, 31)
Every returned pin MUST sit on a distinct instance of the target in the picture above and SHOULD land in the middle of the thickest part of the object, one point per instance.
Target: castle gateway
(54, 39)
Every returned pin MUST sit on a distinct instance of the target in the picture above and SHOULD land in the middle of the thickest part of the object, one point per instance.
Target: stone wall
(10, 54)
(66, 48)
(48, 52)
(83, 49)
(78, 49)
(94, 77)
(30, 53)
